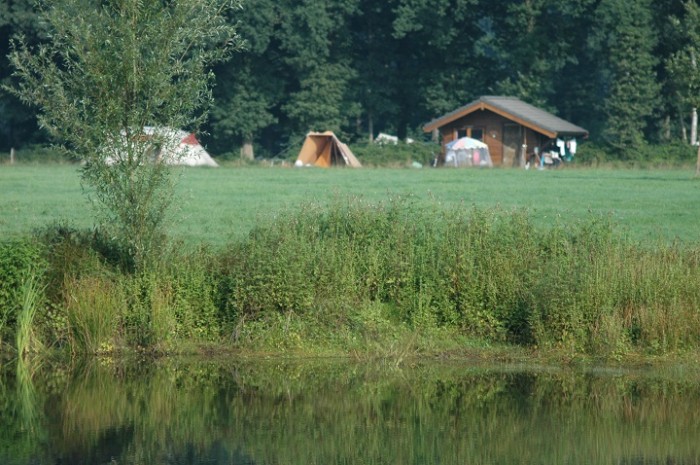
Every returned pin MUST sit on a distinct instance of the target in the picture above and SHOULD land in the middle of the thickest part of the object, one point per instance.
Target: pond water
(181, 411)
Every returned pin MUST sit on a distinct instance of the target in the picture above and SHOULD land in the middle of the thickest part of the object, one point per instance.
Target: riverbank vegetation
(387, 278)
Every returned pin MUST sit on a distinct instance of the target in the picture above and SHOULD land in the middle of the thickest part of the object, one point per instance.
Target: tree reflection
(176, 411)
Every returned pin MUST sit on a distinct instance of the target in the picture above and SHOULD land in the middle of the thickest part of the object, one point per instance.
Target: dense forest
(623, 69)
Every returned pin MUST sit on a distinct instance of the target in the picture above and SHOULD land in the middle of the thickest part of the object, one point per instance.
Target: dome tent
(467, 152)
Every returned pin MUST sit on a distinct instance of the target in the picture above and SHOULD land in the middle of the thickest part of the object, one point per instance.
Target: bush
(671, 154)
(488, 274)
(37, 154)
(401, 154)
(369, 276)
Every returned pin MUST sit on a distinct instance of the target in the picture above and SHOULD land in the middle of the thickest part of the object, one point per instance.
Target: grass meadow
(216, 206)
(371, 262)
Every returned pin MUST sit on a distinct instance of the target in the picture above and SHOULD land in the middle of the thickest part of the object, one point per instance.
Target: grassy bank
(367, 278)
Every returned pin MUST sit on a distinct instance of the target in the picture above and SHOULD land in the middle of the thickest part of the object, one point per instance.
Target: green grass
(216, 205)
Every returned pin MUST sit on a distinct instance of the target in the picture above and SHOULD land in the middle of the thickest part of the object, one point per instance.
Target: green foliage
(682, 65)
(401, 154)
(32, 301)
(107, 72)
(631, 89)
(488, 274)
(648, 155)
(314, 43)
(245, 102)
(21, 270)
(36, 154)
(316, 106)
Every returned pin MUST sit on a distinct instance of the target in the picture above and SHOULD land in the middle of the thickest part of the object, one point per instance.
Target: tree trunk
(684, 133)
(247, 149)
(694, 127)
(370, 127)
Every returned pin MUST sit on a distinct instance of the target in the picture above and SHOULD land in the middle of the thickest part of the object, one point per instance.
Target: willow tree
(108, 71)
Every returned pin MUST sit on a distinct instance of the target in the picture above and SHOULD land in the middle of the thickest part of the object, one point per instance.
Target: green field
(216, 205)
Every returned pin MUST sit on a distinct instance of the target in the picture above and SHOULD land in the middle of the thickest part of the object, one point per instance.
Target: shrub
(489, 274)
(670, 154)
(360, 274)
(37, 154)
(401, 154)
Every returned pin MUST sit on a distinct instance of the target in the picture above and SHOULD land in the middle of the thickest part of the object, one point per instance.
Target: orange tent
(324, 149)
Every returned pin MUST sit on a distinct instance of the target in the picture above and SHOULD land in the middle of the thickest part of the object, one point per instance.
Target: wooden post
(523, 150)
(12, 156)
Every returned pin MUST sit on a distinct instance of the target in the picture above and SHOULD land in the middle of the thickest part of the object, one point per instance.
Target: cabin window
(474, 133)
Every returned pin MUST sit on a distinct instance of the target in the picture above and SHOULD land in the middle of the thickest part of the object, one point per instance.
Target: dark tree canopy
(360, 67)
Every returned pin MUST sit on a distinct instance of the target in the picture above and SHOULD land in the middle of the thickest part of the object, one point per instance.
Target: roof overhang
(484, 105)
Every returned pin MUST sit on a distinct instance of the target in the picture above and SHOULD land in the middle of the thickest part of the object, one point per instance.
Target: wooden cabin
(514, 131)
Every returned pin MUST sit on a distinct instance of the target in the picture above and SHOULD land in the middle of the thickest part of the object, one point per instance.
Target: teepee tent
(324, 149)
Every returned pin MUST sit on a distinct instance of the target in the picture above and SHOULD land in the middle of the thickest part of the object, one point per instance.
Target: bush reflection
(266, 412)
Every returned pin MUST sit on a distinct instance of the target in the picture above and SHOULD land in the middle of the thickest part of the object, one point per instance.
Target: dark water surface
(178, 411)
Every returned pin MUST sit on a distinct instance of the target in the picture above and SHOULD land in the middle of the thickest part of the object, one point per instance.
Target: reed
(31, 298)
(92, 307)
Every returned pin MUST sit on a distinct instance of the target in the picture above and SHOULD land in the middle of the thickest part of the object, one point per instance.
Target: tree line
(623, 69)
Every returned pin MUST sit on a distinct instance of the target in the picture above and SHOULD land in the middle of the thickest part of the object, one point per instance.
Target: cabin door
(512, 136)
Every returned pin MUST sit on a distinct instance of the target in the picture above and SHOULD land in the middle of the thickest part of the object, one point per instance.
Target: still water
(179, 411)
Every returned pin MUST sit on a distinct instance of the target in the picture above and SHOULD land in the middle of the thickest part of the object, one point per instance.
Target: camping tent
(324, 149)
(467, 152)
(186, 149)
(175, 147)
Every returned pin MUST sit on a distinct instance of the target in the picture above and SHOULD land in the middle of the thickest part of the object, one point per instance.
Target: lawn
(217, 205)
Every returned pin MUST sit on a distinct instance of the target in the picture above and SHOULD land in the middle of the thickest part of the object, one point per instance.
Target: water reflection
(178, 411)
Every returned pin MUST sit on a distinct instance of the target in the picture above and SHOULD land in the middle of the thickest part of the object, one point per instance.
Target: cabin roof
(516, 110)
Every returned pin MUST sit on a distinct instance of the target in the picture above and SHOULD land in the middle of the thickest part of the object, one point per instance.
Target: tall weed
(31, 299)
(93, 305)
(21, 271)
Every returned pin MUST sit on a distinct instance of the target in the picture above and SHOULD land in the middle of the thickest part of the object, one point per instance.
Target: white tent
(175, 147)
(185, 150)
